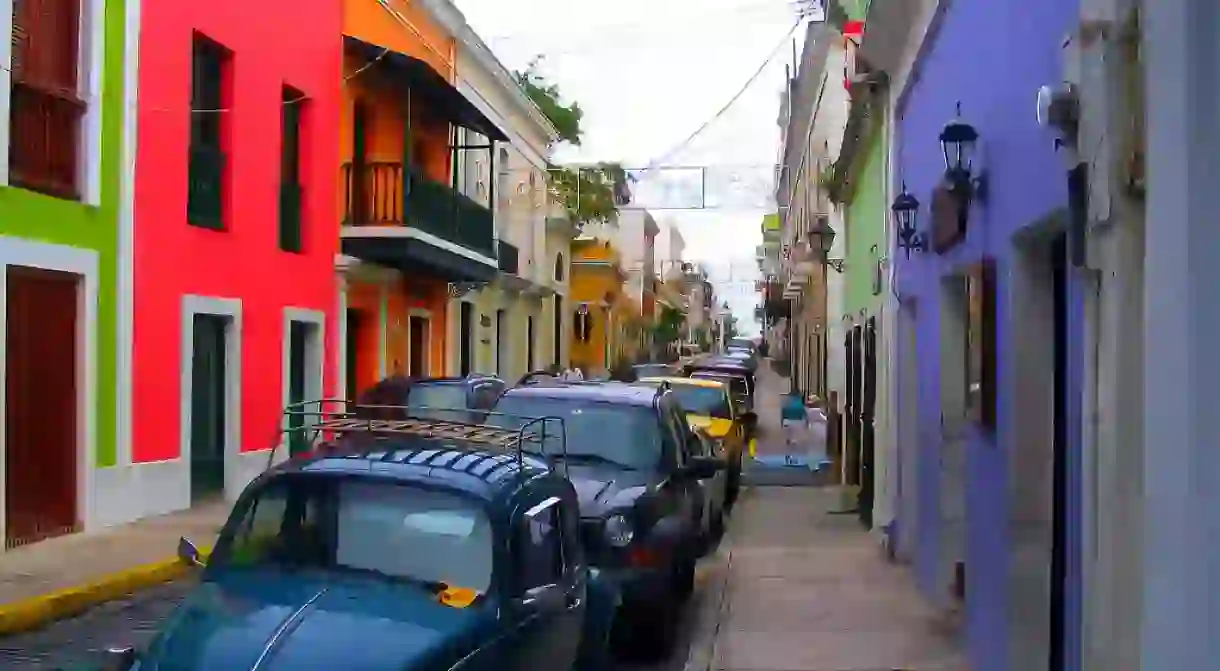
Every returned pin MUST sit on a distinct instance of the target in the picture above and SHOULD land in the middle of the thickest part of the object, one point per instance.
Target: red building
(235, 236)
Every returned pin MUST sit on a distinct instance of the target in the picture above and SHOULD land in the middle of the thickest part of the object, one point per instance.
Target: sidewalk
(802, 589)
(64, 576)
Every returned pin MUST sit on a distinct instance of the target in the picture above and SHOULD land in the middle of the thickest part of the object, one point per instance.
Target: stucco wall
(1006, 518)
(32, 216)
(243, 262)
(865, 226)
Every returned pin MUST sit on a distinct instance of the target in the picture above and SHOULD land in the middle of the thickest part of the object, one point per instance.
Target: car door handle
(572, 600)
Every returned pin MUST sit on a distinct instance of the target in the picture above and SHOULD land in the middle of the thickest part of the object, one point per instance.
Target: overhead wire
(665, 156)
(397, 16)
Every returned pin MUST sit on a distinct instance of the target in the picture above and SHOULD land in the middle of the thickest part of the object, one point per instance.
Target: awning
(887, 30)
(416, 75)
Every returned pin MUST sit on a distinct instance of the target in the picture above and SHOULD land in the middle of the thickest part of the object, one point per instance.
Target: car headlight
(619, 531)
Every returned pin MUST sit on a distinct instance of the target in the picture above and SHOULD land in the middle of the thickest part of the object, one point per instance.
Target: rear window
(436, 398)
(737, 385)
(626, 435)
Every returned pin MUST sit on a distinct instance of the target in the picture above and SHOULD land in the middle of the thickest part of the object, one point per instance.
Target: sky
(647, 74)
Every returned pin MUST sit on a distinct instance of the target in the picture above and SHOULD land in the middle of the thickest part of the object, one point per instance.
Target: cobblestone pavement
(64, 644)
(71, 644)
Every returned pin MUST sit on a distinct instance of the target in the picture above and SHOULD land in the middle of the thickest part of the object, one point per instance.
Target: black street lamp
(821, 236)
(906, 215)
(957, 142)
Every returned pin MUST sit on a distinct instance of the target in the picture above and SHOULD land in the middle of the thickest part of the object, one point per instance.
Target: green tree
(565, 118)
(587, 193)
(668, 328)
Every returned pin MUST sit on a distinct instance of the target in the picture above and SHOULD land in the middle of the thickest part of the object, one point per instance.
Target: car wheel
(654, 628)
(684, 578)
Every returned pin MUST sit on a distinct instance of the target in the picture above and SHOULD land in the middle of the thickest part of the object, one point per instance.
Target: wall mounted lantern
(821, 237)
(957, 141)
(836, 264)
(906, 215)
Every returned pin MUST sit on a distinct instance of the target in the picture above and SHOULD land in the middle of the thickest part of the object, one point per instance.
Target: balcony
(45, 132)
(399, 218)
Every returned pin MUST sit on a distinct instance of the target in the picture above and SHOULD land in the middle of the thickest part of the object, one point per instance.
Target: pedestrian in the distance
(795, 419)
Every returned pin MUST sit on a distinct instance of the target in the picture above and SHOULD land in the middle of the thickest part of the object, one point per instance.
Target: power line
(740, 92)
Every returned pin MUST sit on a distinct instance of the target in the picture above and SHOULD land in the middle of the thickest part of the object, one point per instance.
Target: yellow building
(600, 319)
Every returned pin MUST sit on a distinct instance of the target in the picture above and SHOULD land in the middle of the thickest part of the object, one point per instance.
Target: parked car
(643, 370)
(749, 358)
(402, 545)
(741, 378)
(708, 405)
(715, 491)
(636, 467)
(464, 399)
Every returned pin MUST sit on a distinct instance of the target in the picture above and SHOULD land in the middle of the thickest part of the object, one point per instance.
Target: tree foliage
(565, 118)
(587, 193)
(668, 328)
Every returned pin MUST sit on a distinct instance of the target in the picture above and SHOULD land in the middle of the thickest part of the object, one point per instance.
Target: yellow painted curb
(38, 611)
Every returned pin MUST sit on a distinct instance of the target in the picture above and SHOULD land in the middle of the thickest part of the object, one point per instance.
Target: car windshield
(439, 396)
(376, 528)
(737, 384)
(626, 435)
(699, 400)
(741, 343)
(653, 370)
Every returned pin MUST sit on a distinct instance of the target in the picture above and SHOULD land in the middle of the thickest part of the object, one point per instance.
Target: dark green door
(351, 353)
(298, 343)
(208, 381)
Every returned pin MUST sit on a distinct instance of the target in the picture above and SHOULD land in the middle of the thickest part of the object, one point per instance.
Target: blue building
(991, 327)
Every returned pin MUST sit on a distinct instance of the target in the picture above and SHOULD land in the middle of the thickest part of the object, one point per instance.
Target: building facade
(234, 177)
(65, 216)
(599, 321)
(412, 242)
(990, 325)
(525, 299)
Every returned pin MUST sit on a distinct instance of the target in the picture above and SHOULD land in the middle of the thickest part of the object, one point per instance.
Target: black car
(630, 457)
(463, 399)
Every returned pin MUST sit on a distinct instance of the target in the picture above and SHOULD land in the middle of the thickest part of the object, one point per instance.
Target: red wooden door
(40, 441)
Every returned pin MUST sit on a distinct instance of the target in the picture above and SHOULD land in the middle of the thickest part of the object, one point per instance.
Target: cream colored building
(519, 319)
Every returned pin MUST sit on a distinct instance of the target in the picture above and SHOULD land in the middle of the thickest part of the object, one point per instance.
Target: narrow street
(793, 586)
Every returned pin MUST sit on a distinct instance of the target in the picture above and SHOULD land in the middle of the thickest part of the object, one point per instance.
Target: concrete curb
(38, 611)
(702, 653)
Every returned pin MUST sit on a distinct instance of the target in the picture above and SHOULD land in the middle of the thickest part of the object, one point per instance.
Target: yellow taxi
(710, 407)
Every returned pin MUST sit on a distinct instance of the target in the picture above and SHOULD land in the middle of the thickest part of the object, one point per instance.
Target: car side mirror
(188, 553)
(749, 418)
(703, 467)
(118, 659)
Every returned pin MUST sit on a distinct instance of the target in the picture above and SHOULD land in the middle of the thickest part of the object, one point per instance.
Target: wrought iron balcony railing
(385, 194)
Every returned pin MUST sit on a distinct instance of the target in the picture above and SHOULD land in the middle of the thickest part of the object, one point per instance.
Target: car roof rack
(325, 423)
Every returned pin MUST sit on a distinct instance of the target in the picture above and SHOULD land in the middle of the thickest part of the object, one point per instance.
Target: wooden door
(502, 337)
(351, 354)
(298, 357)
(466, 339)
(209, 406)
(418, 336)
(40, 429)
(557, 334)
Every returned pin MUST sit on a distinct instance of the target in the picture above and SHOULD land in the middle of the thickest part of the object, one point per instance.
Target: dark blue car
(399, 545)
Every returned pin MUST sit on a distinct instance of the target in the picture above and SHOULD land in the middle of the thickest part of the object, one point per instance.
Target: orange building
(410, 240)
(600, 322)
